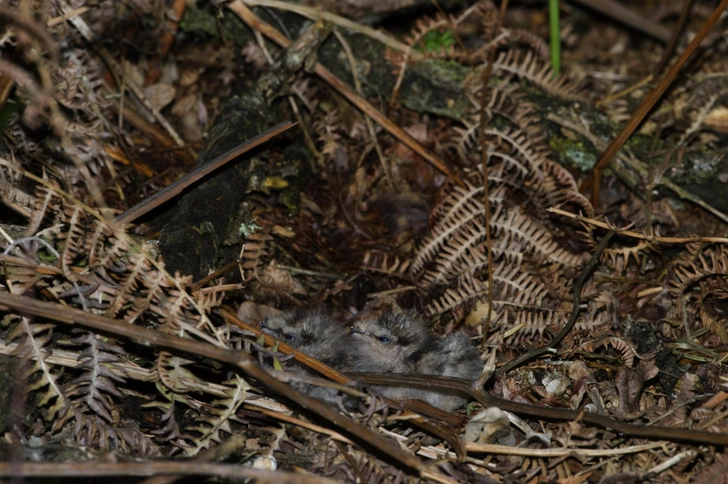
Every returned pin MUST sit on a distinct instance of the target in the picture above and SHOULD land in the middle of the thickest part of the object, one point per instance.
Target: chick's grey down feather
(400, 342)
(318, 335)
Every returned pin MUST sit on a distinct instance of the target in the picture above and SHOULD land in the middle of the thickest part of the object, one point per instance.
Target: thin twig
(465, 387)
(177, 187)
(316, 14)
(140, 468)
(638, 235)
(370, 126)
(675, 37)
(484, 158)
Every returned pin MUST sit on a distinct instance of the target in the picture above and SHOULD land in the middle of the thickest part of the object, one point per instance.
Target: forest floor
(596, 297)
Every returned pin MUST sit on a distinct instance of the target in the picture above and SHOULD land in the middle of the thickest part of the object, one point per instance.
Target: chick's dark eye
(289, 337)
(384, 339)
(263, 323)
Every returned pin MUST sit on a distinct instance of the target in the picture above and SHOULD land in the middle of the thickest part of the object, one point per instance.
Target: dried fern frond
(101, 267)
(701, 275)
(532, 70)
(390, 265)
(33, 349)
(96, 383)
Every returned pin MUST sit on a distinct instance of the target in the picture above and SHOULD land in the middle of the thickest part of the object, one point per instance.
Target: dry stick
(176, 188)
(176, 467)
(266, 29)
(67, 16)
(465, 387)
(238, 359)
(649, 101)
(638, 235)
(572, 318)
(155, 134)
(370, 125)
(677, 31)
(484, 164)
(315, 14)
(169, 32)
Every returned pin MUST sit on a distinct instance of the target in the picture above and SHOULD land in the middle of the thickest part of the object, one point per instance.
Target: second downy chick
(400, 342)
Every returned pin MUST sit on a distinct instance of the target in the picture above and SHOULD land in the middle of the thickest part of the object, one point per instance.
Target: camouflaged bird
(400, 342)
(317, 334)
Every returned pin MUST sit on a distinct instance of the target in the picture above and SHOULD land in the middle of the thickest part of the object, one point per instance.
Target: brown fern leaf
(618, 258)
(136, 270)
(626, 348)
(540, 75)
(45, 200)
(254, 251)
(388, 264)
(104, 249)
(518, 227)
(96, 383)
(701, 274)
(535, 322)
(33, 349)
(73, 243)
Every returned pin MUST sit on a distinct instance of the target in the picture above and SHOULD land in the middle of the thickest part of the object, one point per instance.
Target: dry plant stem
(257, 24)
(68, 16)
(153, 132)
(647, 104)
(177, 187)
(531, 355)
(370, 126)
(638, 235)
(487, 72)
(675, 37)
(577, 453)
(624, 92)
(715, 400)
(301, 423)
(620, 13)
(199, 284)
(316, 14)
(239, 359)
(547, 413)
(176, 467)
(292, 101)
(211, 455)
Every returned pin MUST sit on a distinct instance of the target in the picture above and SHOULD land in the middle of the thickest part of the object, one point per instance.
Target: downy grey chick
(318, 335)
(399, 342)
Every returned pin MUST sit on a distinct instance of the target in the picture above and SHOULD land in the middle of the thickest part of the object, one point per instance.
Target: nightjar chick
(400, 342)
(318, 335)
